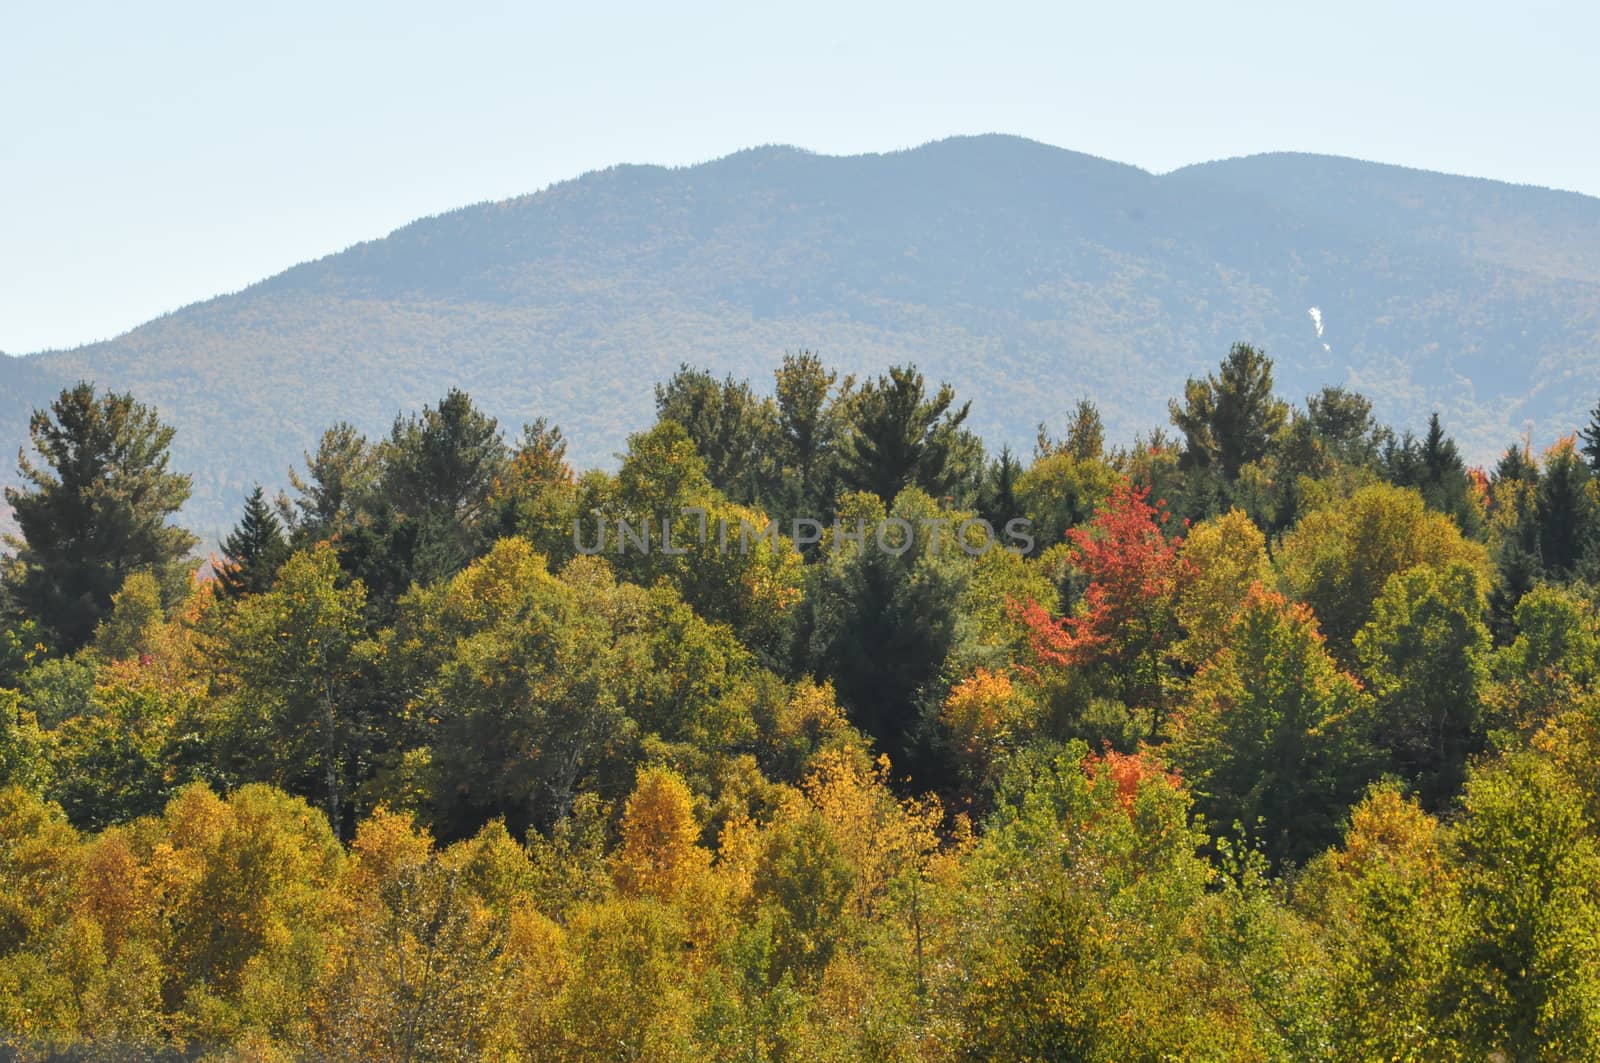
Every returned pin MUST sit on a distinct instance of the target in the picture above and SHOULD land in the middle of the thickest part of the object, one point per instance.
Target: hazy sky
(155, 154)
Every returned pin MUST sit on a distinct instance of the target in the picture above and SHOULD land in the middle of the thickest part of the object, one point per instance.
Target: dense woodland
(1282, 742)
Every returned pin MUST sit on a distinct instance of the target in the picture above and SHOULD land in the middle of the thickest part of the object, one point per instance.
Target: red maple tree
(1125, 621)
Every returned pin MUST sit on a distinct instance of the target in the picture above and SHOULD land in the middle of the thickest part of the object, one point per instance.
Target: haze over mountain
(1027, 275)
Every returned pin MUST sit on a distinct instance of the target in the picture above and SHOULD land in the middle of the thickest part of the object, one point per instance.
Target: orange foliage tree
(1124, 625)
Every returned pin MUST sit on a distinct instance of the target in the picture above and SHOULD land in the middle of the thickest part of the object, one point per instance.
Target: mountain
(1026, 275)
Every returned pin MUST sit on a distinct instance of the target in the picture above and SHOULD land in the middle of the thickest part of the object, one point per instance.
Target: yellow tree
(1225, 556)
(1339, 559)
(660, 854)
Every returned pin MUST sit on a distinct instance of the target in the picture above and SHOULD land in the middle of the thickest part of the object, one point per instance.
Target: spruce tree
(95, 510)
(1445, 484)
(1591, 440)
(1569, 520)
(254, 551)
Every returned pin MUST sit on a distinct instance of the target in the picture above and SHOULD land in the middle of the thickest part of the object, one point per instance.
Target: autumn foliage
(1124, 624)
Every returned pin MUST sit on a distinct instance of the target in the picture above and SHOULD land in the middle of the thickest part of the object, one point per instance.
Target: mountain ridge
(1027, 275)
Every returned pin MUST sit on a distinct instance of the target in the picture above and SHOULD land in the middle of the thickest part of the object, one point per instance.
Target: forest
(1279, 741)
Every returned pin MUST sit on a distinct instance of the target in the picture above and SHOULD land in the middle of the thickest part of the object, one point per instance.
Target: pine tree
(254, 551)
(1230, 419)
(903, 438)
(96, 510)
(1086, 434)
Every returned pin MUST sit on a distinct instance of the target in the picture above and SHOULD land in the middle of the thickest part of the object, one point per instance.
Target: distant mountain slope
(1027, 275)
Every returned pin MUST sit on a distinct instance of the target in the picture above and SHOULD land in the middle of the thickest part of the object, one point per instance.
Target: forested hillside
(1026, 275)
(817, 729)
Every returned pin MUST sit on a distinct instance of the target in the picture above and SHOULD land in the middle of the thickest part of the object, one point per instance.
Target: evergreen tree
(1513, 495)
(1343, 419)
(439, 473)
(808, 431)
(1591, 440)
(339, 483)
(1446, 485)
(254, 550)
(997, 502)
(1230, 419)
(1086, 434)
(1569, 516)
(95, 511)
(732, 428)
(901, 437)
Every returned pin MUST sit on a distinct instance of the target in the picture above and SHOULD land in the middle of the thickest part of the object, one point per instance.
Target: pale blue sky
(159, 153)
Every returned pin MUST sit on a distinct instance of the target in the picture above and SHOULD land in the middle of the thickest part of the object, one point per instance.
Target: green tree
(1424, 655)
(136, 615)
(338, 484)
(97, 509)
(900, 436)
(439, 471)
(1343, 419)
(1525, 976)
(22, 745)
(1590, 434)
(1338, 558)
(808, 433)
(254, 550)
(1568, 509)
(733, 430)
(295, 660)
(1272, 737)
(525, 707)
(1230, 418)
(1434, 467)
(1385, 902)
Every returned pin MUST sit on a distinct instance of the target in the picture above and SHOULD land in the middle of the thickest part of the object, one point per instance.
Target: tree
(1271, 736)
(1552, 663)
(1513, 535)
(731, 427)
(1224, 558)
(660, 855)
(95, 511)
(997, 499)
(808, 433)
(525, 704)
(1338, 558)
(1590, 434)
(254, 550)
(901, 437)
(1230, 419)
(1568, 509)
(295, 657)
(439, 470)
(1125, 623)
(339, 483)
(1385, 903)
(1344, 420)
(537, 498)
(1525, 975)
(1424, 655)
(1086, 433)
(1061, 491)
(1434, 467)
(136, 614)
(882, 623)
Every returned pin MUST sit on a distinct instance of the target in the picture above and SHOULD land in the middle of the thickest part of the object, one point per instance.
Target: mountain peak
(1027, 275)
